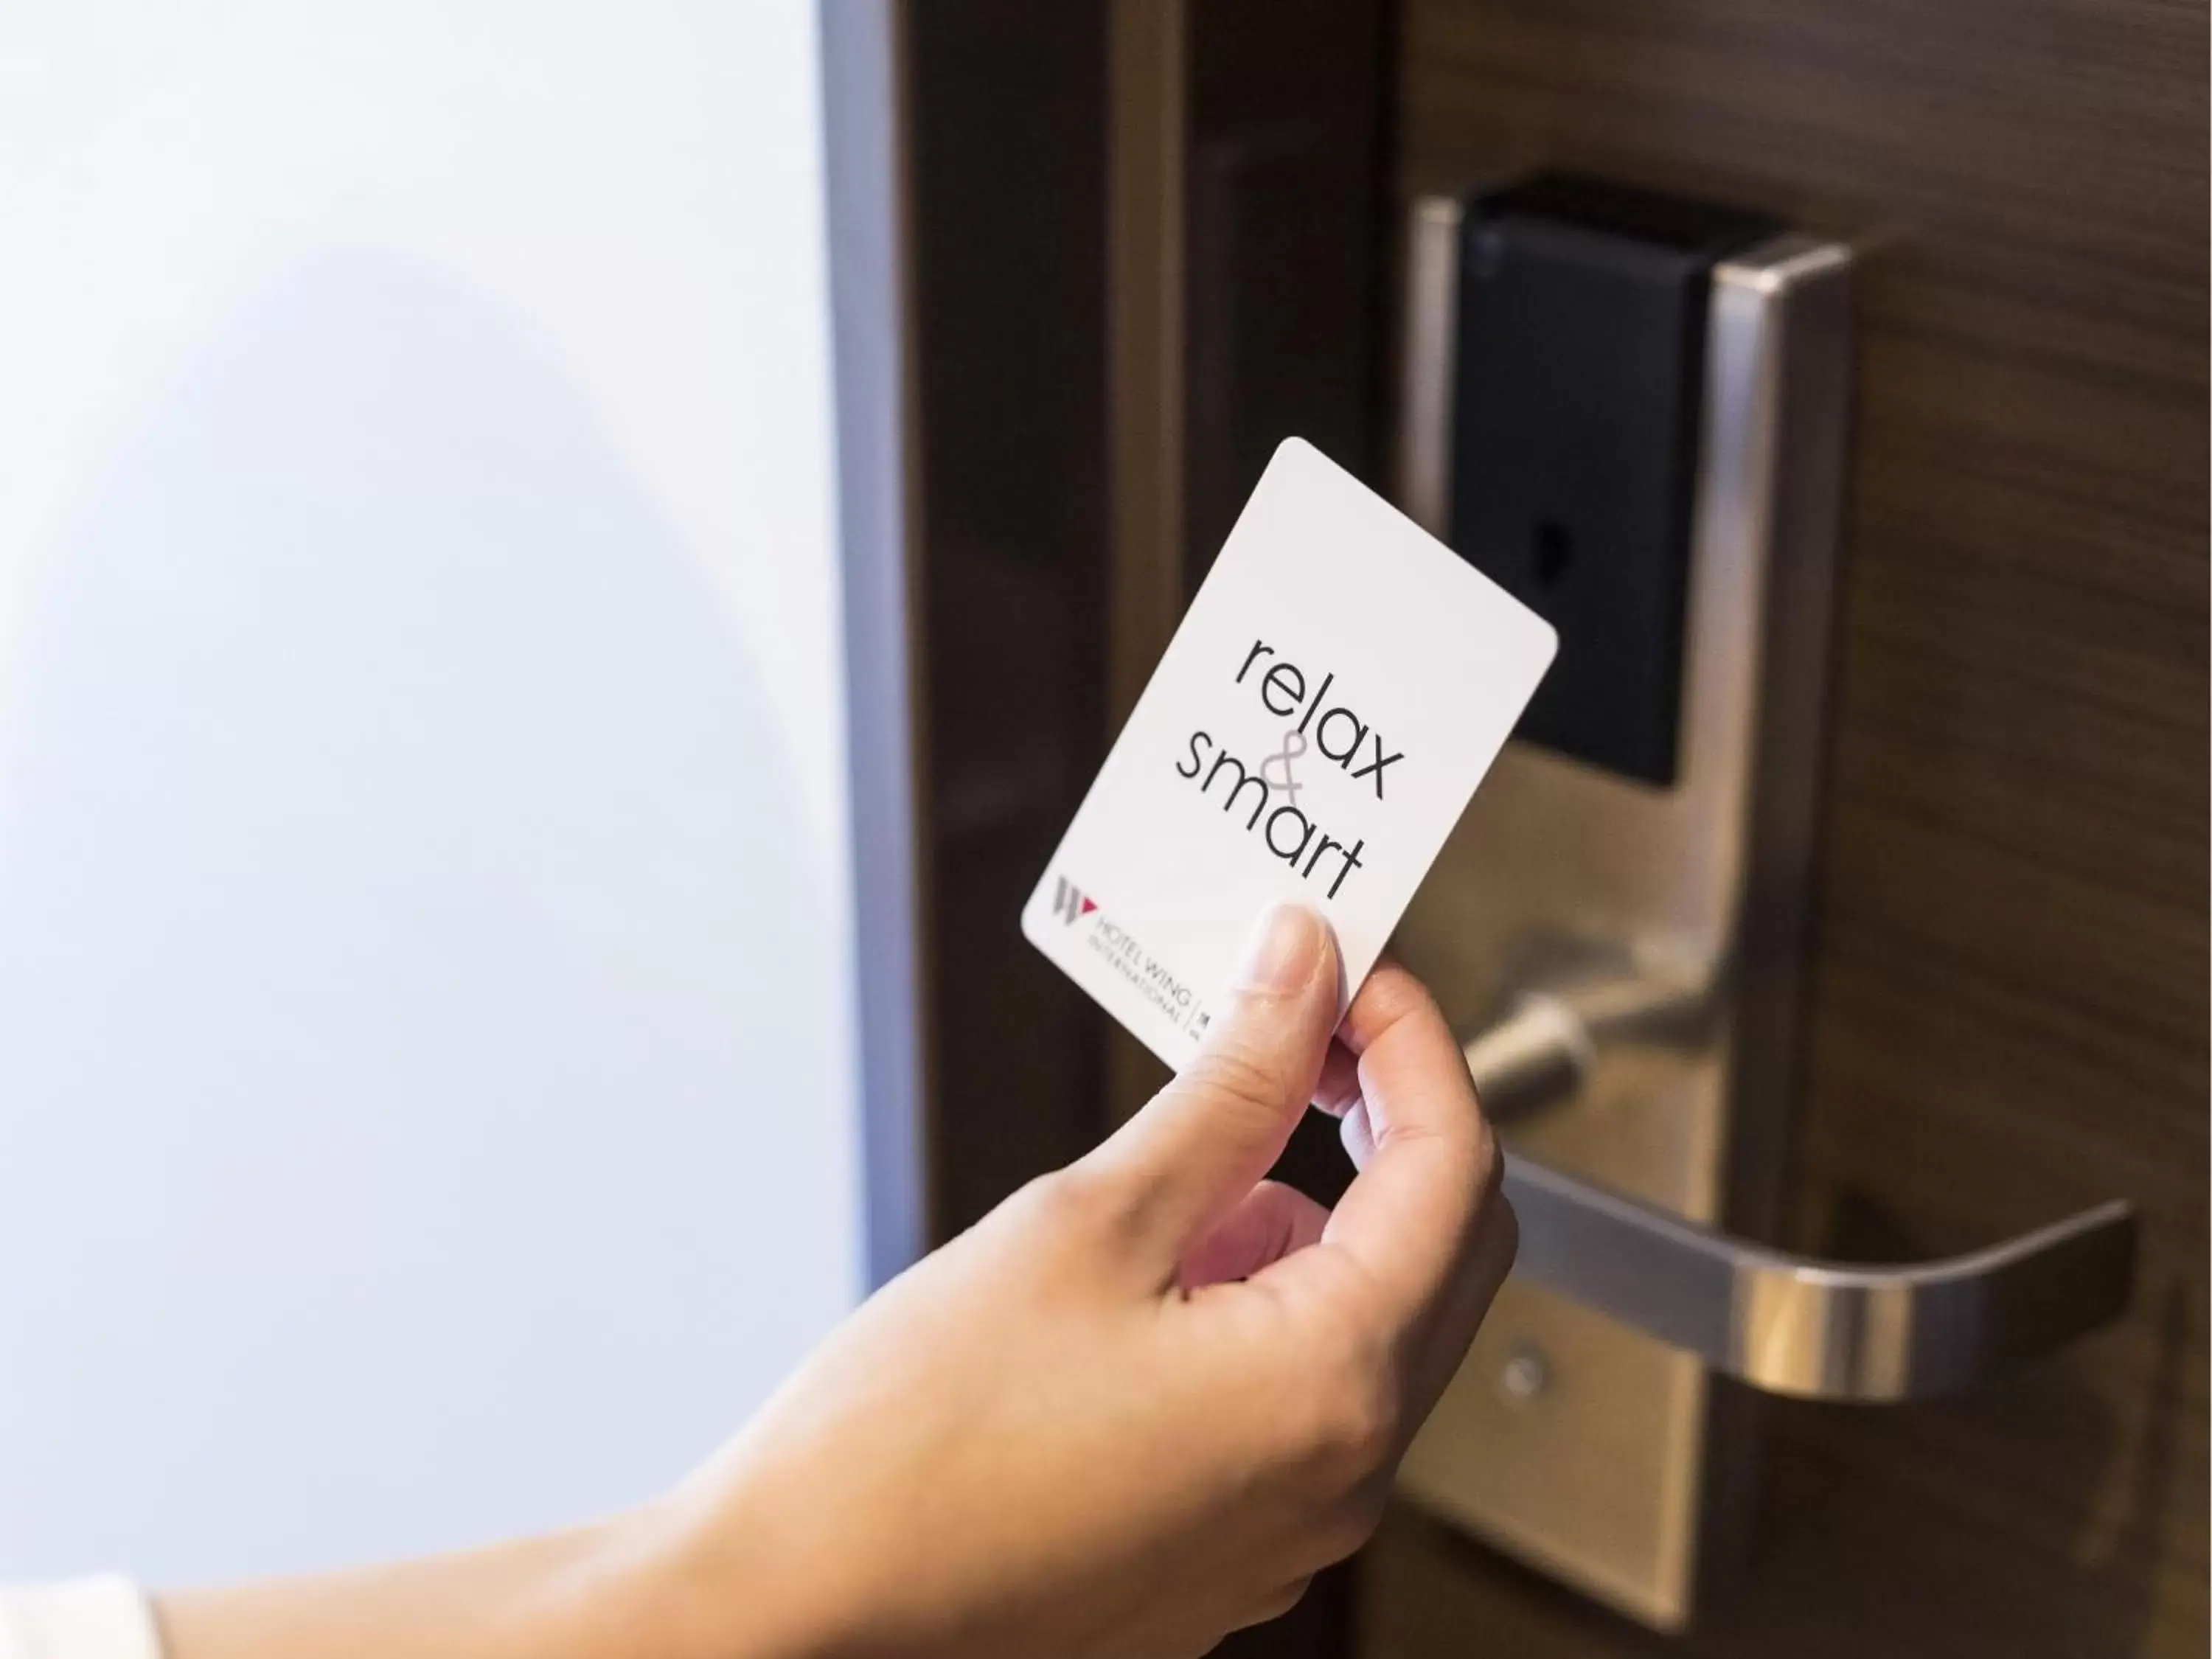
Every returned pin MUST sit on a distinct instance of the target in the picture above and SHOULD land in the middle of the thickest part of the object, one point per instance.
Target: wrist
(707, 1575)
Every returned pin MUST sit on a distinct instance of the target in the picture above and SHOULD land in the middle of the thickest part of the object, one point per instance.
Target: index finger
(1413, 1217)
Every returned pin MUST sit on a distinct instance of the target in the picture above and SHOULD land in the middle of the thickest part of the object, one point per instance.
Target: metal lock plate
(1595, 1451)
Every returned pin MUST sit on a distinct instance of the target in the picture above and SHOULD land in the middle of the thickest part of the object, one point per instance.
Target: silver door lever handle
(1785, 1324)
(1822, 1330)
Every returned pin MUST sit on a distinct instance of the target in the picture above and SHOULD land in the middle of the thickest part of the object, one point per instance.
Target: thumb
(1203, 1142)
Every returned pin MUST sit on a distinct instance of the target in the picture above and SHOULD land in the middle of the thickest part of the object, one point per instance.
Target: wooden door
(2008, 1004)
(2008, 1013)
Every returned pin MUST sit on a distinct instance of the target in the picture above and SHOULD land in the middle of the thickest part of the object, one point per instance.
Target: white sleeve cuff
(103, 1618)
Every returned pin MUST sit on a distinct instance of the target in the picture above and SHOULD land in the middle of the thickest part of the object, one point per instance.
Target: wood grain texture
(1005, 110)
(2008, 1018)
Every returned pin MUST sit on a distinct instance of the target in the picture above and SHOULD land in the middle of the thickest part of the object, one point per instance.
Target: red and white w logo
(1068, 900)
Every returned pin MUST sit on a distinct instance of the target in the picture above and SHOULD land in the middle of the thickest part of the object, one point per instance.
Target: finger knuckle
(1237, 1071)
(1344, 1527)
(1352, 1426)
(1078, 1198)
(1359, 1516)
(1508, 1231)
(1281, 1600)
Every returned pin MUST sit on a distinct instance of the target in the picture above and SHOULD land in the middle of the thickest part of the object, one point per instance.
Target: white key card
(1339, 686)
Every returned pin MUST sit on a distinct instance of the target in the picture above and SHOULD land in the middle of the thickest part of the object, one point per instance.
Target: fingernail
(1283, 949)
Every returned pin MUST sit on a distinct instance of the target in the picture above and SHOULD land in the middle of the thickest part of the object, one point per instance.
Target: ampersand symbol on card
(1294, 744)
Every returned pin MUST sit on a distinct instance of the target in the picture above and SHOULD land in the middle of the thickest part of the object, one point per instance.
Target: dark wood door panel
(1003, 104)
(2009, 1018)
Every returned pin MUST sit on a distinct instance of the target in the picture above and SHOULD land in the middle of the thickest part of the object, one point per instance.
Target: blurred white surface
(427, 1088)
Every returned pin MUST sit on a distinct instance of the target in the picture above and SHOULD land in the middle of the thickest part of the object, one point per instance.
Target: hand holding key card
(1140, 1403)
(1339, 686)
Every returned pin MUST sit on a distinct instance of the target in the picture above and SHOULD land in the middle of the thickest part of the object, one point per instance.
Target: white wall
(426, 1080)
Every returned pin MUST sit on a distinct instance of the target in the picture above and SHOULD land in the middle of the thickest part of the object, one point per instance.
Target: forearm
(625, 1587)
(1137, 1406)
